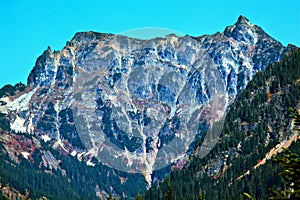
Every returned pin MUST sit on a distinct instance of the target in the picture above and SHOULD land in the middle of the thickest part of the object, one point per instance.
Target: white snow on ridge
(19, 104)
(18, 125)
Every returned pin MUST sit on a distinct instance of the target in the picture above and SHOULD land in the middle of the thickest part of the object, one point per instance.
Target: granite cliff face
(137, 105)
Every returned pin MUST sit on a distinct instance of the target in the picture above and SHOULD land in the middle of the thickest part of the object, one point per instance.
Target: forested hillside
(257, 121)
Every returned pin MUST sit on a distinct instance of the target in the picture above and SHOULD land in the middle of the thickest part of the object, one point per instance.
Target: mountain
(257, 127)
(119, 111)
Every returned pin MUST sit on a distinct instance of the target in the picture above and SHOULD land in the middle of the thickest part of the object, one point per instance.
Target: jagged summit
(92, 35)
(244, 31)
(48, 49)
(243, 20)
(89, 35)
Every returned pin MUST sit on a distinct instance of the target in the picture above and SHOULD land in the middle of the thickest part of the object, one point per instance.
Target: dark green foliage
(9, 90)
(201, 196)
(4, 122)
(169, 194)
(1, 196)
(259, 114)
(295, 115)
(24, 176)
(139, 196)
(290, 162)
(248, 196)
(110, 197)
(79, 182)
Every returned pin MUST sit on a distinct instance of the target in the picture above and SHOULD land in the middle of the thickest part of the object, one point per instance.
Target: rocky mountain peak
(243, 31)
(48, 51)
(140, 91)
(82, 37)
(243, 20)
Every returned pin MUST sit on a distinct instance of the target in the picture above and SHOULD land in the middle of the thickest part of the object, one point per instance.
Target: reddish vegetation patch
(179, 165)
(18, 143)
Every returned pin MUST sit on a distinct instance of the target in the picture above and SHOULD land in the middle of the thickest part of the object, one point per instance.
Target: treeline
(79, 182)
(256, 122)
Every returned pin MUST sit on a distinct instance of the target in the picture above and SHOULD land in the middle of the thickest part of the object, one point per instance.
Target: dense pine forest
(55, 185)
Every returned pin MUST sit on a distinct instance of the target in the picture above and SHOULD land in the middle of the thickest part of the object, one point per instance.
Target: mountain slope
(256, 123)
(112, 106)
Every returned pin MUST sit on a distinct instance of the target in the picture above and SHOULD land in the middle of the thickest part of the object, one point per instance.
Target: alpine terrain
(109, 114)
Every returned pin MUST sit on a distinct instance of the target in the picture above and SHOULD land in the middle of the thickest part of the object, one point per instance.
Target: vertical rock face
(137, 105)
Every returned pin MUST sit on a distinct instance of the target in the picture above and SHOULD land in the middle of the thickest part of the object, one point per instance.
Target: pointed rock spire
(242, 30)
(242, 19)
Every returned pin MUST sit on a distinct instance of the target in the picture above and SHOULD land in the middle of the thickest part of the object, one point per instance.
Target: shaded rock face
(137, 105)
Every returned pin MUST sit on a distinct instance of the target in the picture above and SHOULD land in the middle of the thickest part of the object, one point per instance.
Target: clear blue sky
(29, 26)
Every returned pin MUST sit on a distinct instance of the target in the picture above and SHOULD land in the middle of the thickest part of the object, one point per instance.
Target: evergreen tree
(139, 196)
(111, 197)
(169, 194)
(201, 196)
(290, 162)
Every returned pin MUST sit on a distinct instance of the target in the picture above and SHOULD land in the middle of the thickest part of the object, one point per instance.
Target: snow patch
(30, 127)
(19, 104)
(18, 125)
(79, 156)
(3, 108)
(25, 154)
(74, 153)
(46, 138)
(89, 163)
(59, 143)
